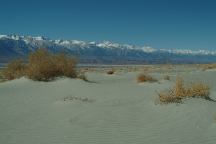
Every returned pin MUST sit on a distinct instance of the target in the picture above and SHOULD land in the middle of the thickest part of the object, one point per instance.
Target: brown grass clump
(1, 76)
(168, 97)
(180, 91)
(14, 69)
(110, 72)
(198, 90)
(166, 77)
(44, 66)
(207, 66)
(2, 79)
(145, 78)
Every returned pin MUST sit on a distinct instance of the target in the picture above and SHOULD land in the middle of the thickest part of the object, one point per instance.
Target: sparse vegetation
(1, 76)
(145, 78)
(110, 72)
(42, 66)
(166, 77)
(181, 91)
(207, 66)
(14, 69)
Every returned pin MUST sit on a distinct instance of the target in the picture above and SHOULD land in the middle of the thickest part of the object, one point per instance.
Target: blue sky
(183, 24)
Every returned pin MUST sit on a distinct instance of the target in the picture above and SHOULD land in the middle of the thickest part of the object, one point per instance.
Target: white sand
(119, 111)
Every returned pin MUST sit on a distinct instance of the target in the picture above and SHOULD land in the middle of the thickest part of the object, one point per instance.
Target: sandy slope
(118, 111)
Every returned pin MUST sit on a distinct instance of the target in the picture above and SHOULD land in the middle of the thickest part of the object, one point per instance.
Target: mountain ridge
(13, 46)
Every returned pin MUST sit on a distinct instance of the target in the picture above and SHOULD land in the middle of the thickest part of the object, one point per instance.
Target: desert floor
(111, 109)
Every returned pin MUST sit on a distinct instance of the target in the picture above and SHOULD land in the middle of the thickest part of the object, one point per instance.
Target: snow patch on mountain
(148, 49)
(69, 44)
(3, 36)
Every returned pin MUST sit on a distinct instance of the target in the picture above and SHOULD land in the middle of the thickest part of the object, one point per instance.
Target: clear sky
(184, 24)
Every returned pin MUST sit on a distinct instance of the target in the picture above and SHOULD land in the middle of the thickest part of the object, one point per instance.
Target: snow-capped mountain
(12, 46)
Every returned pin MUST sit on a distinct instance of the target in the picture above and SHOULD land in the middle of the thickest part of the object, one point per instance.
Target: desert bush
(2, 79)
(198, 90)
(207, 66)
(181, 91)
(44, 66)
(166, 77)
(168, 97)
(1, 75)
(14, 69)
(110, 72)
(66, 66)
(145, 78)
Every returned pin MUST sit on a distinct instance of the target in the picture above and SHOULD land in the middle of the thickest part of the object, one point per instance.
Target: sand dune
(115, 109)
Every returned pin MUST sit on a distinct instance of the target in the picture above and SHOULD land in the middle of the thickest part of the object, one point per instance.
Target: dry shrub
(44, 66)
(66, 66)
(168, 97)
(14, 69)
(207, 66)
(198, 90)
(1, 75)
(167, 66)
(148, 69)
(110, 72)
(145, 78)
(166, 77)
(180, 91)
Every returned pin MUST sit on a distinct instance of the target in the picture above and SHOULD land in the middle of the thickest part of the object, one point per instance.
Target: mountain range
(106, 52)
